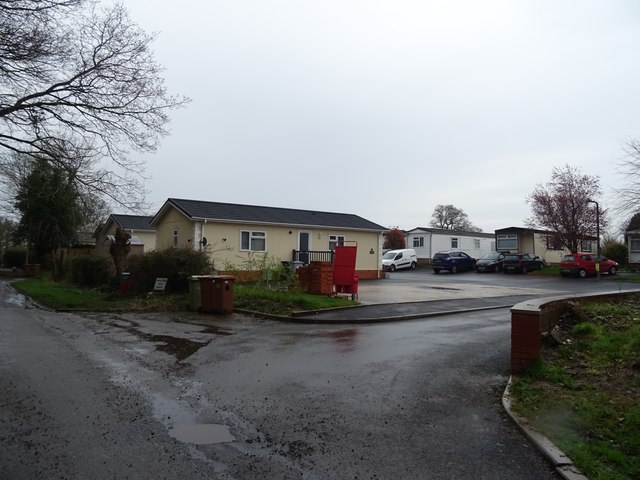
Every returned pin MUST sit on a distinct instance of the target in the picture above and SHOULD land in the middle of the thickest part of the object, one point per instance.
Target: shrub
(14, 257)
(174, 264)
(616, 251)
(89, 271)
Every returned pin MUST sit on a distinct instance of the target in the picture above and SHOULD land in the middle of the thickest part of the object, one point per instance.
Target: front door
(303, 245)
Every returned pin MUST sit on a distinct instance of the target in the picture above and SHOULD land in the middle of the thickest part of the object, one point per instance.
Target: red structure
(344, 269)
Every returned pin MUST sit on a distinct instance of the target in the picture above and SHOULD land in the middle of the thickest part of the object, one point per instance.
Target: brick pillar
(526, 340)
(316, 278)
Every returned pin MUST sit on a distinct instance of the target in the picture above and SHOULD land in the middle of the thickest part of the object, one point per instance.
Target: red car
(583, 264)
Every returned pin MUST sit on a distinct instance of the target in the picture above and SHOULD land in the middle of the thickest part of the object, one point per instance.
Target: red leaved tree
(566, 206)
(394, 239)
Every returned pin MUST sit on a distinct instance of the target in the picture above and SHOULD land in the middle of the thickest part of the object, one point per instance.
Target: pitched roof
(465, 233)
(235, 213)
(535, 230)
(133, 222)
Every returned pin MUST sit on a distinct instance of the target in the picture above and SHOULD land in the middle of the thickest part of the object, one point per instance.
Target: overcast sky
(386, 109)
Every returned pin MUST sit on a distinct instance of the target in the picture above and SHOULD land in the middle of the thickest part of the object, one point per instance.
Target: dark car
(521, 262)
(583, 264)
(490, 262)
(452, 261)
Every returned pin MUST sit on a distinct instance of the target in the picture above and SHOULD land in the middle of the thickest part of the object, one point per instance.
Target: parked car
(396, 259)
(522, 262)
(453, 261)
(583, 264)
(490, 262)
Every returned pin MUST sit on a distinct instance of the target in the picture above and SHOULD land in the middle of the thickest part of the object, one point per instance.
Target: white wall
(436, 241)
(634, 257)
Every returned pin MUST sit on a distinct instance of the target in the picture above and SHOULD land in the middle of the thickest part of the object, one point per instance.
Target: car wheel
(582, 273)
(613, 271)
(454, 269)
(392, 268)
(436, 270)
(413, 265)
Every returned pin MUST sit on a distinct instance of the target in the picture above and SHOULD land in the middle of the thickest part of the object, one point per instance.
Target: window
(476, 243)
(454, 242)
(586, 246)
(175, 238)
(554, 243)
(418, 242)
(335, 240)
(507, 242)
(634, 244)
(253, 241)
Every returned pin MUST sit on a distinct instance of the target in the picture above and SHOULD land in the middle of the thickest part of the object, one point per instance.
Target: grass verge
(281, 302)
(584, 393)
(60, 295)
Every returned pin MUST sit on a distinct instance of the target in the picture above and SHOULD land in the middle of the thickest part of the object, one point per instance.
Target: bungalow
(143, 235)
(427, 241)
(233, 234)
(543, 243)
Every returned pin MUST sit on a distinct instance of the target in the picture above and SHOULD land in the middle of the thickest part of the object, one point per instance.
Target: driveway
(423, 285)
(196, 396)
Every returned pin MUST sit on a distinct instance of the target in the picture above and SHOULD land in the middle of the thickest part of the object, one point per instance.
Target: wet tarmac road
(162, 396)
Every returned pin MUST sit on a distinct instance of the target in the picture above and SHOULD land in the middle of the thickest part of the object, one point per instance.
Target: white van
(397, 259)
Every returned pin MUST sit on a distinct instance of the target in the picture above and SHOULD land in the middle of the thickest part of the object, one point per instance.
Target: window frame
(455, 241)
(554, 243)
(418, 242)
(176, 238)
(252, 236)
(511, 237)
(336, 240)
(634, 244)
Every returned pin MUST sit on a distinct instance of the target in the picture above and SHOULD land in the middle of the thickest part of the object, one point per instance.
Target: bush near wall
(174, 264)
(14, 257)
(89, 271)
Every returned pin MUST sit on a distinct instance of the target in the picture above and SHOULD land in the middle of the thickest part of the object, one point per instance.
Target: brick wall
(532, 319)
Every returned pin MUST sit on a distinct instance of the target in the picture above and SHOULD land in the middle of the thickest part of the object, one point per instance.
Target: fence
(308, 256)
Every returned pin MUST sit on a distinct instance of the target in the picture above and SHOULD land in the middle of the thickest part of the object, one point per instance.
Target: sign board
(160, 285)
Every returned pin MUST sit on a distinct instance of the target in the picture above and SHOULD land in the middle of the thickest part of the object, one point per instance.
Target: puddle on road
(15, 299)
(203, 434)
(216, 330)
(346, 338)
(180, 347)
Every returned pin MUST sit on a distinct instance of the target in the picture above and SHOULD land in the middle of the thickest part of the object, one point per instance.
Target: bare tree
(81, 79)
(629, 169)
(448, 217)
(565, 206)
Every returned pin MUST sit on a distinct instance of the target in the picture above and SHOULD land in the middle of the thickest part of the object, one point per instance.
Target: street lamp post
(597, 235)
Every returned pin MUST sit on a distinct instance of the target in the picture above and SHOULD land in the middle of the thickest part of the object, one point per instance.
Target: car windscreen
(389, 255)
(490, 256)
(569, 258)
(440, 256)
